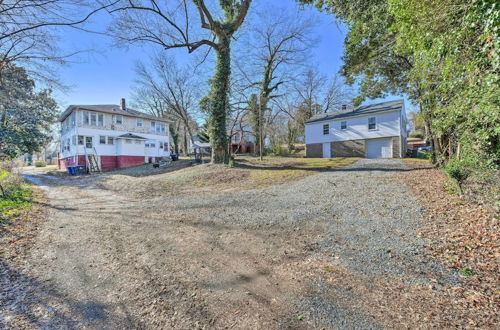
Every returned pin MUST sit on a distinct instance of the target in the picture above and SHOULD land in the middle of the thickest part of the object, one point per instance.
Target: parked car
(425, 149)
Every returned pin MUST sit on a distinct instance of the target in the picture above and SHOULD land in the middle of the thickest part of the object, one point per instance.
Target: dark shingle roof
(130, 136)
(109, 108)
(361, 110)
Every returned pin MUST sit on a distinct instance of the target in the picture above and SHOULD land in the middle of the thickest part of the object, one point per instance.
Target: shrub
(416, 135)
(40, 163)
(458, 171)
(278, 150)
(10, 183)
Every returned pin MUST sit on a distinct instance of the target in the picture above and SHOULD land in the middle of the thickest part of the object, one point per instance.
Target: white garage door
(380, 148)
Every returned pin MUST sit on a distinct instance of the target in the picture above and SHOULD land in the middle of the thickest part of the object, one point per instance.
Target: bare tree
(28, 32)
(170, 91)
(169, 25)
(280, 41)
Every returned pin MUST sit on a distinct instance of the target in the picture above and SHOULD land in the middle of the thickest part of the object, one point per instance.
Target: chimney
(122, 104)
(344, 107)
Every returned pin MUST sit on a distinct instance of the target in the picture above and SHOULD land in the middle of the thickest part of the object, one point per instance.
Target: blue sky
(107, 74)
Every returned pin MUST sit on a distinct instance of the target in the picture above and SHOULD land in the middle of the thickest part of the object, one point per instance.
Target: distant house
(371, 131)
(114, 135)
(242, 139)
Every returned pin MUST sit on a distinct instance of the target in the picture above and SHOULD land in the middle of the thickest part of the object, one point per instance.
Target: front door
(327, 151)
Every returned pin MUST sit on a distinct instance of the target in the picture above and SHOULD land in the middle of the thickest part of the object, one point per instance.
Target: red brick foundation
(107, 162)
(128, 161)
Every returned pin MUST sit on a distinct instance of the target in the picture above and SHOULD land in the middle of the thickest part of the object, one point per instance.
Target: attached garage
(379, 148)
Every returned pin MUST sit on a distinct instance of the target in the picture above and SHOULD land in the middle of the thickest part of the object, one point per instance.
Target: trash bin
(71, 170)
(80, 170)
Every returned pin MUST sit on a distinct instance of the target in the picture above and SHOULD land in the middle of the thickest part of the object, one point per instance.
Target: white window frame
(374, 123)
(100, 119)
(91, 142)
(93, 119)
(343, 124)
(138, 122)
(81, 140)
(326, 129)
(150, 144)
(111, 140)
(101, 139)
(119, 121)
(85, 117)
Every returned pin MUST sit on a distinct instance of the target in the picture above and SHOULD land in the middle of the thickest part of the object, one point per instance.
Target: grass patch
(247, 173)
(18, 201)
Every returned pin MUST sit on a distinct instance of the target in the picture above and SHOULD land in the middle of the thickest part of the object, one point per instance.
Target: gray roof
(130, 136)
(109, 108)
(396, 105)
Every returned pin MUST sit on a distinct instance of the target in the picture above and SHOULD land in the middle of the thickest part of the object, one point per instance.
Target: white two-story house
(118, 136)
(371, 131)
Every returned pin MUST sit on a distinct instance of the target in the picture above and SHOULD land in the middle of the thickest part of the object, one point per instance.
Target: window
(100, 119)
(372, 123)
(158, 127)
(138, 122)
(93, 119)
(73, 140)
(128, 141)
(80, 140)
(119, 119)
(326, 129)
(102, 139)
(111, 140)
(73, 119)
(88, 142)
(85, 118)
(343, 125)
(138, 141)
(150, 144)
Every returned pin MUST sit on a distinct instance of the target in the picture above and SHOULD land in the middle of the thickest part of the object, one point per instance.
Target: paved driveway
(334, 250)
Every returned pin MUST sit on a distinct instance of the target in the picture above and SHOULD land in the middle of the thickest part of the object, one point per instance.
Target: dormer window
(372, 123)
(326, 129)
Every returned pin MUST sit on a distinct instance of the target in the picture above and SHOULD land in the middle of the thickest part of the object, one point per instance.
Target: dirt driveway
(337, 249)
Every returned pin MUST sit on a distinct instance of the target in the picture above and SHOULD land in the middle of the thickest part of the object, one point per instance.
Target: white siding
(388, 124)
(119, 148)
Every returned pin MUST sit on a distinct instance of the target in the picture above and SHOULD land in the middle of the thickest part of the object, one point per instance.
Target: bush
(40, 163)
(416, 135)
(279, 150)
(15, 195)
(458, 171)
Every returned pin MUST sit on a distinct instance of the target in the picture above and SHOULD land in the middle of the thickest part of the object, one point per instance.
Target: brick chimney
(122, 104)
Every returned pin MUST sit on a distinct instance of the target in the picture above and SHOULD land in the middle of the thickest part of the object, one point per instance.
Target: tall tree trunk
(219, 103)
(174, 134)
(185, 143)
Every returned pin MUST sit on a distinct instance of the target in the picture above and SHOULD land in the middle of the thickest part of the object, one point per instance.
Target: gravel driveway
(334, 250)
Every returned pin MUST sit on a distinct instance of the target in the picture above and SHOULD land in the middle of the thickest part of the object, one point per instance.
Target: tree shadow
(28, 302)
